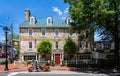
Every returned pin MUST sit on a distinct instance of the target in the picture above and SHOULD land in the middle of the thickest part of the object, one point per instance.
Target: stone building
(33, 30)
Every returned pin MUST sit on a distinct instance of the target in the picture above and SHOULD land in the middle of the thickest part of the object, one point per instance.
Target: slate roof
(43, 22)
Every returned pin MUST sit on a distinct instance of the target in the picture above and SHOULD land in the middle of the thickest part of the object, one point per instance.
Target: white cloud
(66, 10)
(58, 11)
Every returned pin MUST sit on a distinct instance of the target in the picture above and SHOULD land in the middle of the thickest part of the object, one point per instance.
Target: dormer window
(68, 20)
(32, 20)
(49, 21)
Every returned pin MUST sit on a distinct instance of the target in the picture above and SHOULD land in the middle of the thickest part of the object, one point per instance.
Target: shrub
(2, 62)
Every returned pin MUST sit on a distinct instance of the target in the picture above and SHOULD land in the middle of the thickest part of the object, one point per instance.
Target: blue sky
(13, 11)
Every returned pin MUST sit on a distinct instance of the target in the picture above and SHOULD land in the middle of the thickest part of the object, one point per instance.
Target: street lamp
(6, 62)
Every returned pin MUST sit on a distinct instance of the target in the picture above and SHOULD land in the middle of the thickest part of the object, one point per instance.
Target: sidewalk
(22, 67)
(12, 68)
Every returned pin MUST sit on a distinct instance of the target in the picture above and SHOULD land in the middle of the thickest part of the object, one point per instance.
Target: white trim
(28, 32)
(55, 44)
(28, 45)
(51, 20)
(41, 31)
(32, 20)
(67, 20)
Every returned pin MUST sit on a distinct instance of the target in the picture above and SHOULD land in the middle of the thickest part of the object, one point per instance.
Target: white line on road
(57, 72)
(12, 74)
(15, 73)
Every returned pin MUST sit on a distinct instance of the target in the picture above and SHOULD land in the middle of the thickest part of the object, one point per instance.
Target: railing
(72, 62)
(44, 62)
(80, 61)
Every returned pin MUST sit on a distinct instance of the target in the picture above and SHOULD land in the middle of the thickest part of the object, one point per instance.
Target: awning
(30, 53)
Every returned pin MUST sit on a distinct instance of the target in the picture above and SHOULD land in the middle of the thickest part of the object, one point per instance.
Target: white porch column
(36, 57)
(22, 58)
(61, 58)
(51, 56)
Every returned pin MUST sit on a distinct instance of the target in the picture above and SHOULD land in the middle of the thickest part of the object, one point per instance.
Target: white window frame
(57, 44)
(55, 32)
(49, 21)
(29, 31)
(29, 44)
(42, 30)
(32, 20)
(68, 20)
(70, 33)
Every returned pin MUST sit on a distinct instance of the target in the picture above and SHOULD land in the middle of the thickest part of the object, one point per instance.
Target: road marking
(57, 72)
(15, 73)
(12, 74)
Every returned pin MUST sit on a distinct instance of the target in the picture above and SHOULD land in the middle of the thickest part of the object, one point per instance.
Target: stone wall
(37, 35)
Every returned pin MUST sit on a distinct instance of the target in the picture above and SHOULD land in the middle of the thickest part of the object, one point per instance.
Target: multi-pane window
(30, 44)
(68, 21)
(49, 21)
(56, 45)
(87, 33)
(70, 33)
(56, 32)
(32, 20)
(43, 31)
(29, 57)
(86, 44)
(30, 32)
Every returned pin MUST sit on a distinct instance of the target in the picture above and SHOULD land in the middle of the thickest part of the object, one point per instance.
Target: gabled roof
(43, 22)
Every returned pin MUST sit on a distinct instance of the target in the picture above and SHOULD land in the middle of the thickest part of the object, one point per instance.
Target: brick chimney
(27, 15)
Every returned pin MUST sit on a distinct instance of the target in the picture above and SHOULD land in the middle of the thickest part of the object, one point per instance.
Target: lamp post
(6, 62)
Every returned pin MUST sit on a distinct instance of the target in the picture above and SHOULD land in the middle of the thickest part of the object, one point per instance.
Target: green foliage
(82, 12)
(44, 46)
(2, 62)
(32, 61)
(103, 15)
(70, 47)
(15, 37)
(18, 51)
(52, 61)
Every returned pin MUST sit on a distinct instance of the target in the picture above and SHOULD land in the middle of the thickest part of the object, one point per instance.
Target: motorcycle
(39, 68)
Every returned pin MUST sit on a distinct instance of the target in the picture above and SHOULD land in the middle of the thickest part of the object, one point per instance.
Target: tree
(70, 47)
(44, 46)
(14, 36)
(103, 15)
(109, 11)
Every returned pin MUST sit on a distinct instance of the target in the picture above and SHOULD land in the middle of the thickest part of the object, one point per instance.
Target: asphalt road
(54, 73)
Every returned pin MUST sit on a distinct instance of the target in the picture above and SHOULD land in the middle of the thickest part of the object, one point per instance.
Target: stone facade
(50, 25)
(50, 34)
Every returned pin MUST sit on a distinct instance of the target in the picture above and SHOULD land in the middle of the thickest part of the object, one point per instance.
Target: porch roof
(29, 53)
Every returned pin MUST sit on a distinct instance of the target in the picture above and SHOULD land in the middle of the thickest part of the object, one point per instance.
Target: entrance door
(57, 59)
